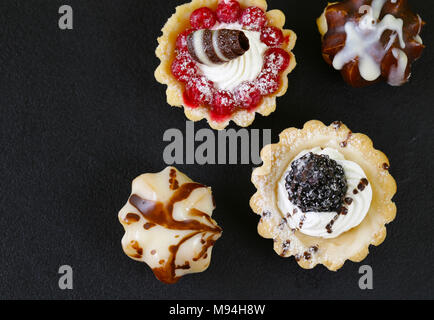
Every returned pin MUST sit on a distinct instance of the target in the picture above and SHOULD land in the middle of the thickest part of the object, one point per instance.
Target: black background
(82, 115)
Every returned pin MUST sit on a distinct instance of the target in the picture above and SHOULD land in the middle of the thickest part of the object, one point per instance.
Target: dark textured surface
(81, 116)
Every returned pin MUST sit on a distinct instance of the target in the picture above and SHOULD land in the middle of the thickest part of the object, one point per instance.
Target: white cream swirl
(228, 76)
(315, 223)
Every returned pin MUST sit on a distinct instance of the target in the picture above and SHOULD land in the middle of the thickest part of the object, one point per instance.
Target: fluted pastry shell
(166, 53)
(352, 245)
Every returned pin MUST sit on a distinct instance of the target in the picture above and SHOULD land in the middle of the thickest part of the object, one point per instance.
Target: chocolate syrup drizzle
(344, 211)
(159, 214)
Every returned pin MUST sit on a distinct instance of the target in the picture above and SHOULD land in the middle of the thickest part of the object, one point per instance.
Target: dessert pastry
(168, 224)
(324, 194)
(371, 40)
(225, 60)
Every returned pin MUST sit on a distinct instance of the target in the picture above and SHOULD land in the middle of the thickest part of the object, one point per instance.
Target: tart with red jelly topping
(371, 40)
(225, 60)
(324, 195)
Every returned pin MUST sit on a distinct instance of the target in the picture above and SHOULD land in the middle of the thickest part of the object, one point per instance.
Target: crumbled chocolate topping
(285, 247)
(329, 226)
(282, 224)
(314, 249)
(316, 183)
(337, 124)
(300, 225)
(344, 143)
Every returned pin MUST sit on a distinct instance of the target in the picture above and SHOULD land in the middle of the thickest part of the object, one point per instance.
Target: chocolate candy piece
(212, 47)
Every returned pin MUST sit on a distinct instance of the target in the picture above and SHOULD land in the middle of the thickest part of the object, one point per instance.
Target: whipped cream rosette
(324, 195)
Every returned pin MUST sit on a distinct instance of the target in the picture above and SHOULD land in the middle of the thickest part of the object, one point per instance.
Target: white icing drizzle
(315, 223)
(397, 73)
(363, 42)
(229, 75)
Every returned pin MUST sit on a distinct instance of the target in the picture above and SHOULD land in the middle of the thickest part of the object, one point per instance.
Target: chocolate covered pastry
(168, 224)
(371, 40)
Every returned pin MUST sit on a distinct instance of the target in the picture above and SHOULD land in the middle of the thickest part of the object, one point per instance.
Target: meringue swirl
(315, 223)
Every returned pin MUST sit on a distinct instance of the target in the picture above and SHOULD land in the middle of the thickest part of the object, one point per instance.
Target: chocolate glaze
(139, 251)
(159, 214)
(334, 40)
(148, 225)
(173, 182)
(131, 218)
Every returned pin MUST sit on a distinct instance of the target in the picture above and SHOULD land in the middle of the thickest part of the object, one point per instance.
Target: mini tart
(167, 52)
(307, 250)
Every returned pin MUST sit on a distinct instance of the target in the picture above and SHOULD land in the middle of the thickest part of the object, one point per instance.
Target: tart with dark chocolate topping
(321, 200)
(225, 60)
(371, 40)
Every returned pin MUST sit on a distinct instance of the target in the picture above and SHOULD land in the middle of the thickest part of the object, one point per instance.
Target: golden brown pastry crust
(353, 244)
(166, 53)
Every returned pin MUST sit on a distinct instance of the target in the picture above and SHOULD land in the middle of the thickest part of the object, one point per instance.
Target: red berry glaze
(275, 61)
(253, 18)
(199, 91)
(203, 18)
(272, 36)
(181, 41)
(228, 11)
(183, 67)
(248, 96)
(222, 106)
